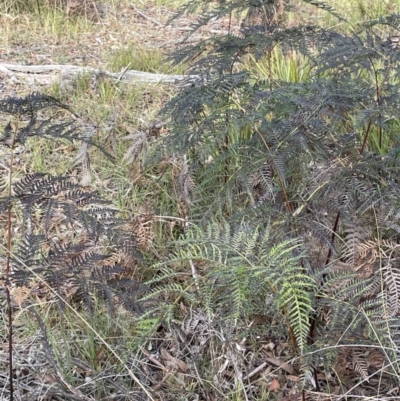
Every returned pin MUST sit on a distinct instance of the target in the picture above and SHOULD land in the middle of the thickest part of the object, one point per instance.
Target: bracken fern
(299, 178)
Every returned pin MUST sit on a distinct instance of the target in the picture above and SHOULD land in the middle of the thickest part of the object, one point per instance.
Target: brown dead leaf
(281, 347)
(172, 362)
(269, 347)
(183, 309)
(285, 366)
(268, 354)
(48, 378)
(375, 359)
(274, 386)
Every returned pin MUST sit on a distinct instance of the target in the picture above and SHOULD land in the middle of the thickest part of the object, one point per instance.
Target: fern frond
(246, 266)
(391, 293)
(30, 104)
(139, 144)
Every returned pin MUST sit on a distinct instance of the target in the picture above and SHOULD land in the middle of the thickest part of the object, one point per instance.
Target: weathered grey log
(48, 74)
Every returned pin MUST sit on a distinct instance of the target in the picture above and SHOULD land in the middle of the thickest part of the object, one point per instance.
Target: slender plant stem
(334, 232)
(8, 264)
(270, 68)
(365, 137)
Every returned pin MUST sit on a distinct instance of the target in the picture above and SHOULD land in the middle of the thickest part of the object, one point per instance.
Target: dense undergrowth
(261, 261)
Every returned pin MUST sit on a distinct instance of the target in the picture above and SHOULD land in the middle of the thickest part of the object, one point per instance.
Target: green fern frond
(247, 265)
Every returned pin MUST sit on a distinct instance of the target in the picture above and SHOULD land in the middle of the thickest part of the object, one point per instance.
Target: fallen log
(49, 74)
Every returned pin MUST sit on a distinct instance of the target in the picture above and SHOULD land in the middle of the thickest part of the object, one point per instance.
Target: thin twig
(255, 371)
(153, 359)
(154, 21)
(192, 266)
(122, 73)
(194, 274)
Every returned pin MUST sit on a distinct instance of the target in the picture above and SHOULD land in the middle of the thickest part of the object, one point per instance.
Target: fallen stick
(255, 371)
(143, 15)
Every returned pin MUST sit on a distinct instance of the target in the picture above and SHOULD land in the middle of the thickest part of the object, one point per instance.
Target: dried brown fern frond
(364, 371)
(139, 143)
(143, 230)
(358, 253)
(390, 254)
(349, 365)
(184, 180)
(142, 226)
(354, 235)
(184, 184)
(19, 295)
(359, 363)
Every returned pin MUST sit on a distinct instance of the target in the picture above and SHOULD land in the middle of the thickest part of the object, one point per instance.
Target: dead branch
(49, 74)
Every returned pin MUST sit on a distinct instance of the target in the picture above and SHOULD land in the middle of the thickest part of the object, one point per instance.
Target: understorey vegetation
(261, 259)
(293, 186)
